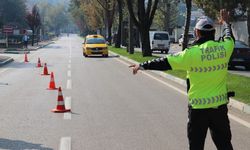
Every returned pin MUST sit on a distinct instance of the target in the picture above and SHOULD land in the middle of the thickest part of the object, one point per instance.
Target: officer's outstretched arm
(156, 64)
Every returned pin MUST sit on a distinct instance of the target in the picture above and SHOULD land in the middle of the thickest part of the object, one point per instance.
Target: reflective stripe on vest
(209, 68)
(211, 100)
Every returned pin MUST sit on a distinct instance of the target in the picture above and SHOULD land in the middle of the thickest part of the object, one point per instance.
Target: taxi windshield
(95, 41)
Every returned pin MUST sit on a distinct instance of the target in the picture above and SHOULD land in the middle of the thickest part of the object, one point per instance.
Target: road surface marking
(65, 143)
(67, 115)
(70, 61)
(243, 122)
(69, 84)
(165, 83)
(69, 66)
(69, 73)
(240, 121)
(70, 48)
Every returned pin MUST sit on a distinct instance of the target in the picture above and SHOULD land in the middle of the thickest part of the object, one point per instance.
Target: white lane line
(69, 66)
(67, 115)
(70, 61)
(240, 121)
(149, 75)
(69, 73)
(243, 122)
(65, 143)
(70, 48)
(69, 84)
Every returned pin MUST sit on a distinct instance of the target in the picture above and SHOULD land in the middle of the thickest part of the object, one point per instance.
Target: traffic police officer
(206, 63)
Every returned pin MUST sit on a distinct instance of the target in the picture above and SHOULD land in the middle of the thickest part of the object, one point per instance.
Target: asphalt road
(111, 108)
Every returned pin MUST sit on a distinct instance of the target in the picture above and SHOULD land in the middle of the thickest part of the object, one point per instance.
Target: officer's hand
(224, 16)
(135, 68)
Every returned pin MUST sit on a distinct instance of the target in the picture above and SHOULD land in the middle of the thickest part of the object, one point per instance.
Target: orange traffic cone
(25, 57)
(60, 108)
(39, 63)
(52, 84)
(45, 70)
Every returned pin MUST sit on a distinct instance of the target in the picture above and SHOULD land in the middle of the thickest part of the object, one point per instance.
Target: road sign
(7, 29)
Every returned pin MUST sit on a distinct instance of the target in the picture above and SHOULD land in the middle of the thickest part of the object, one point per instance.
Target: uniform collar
(202, 40)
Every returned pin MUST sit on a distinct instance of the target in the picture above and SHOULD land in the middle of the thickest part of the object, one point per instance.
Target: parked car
(191, 39)
(95, 45)
(159, 41)
(240, 56)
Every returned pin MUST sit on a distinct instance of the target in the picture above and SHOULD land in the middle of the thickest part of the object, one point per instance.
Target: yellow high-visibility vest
(206, 67)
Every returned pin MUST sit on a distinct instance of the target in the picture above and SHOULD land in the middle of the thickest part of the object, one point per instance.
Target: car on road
(159, 41)
(95, 45)
(191, 39)
(240, 56)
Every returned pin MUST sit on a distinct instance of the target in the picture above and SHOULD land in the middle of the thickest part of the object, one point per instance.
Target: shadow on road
(113, 56)
(53, 47)
(74, 113)
(20, 145)
(20, 65)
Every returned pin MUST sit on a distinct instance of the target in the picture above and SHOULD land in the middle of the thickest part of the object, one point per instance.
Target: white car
(159, 41)
(191, 39)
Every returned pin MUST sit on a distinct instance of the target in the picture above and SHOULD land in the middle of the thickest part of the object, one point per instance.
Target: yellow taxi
(95, 45)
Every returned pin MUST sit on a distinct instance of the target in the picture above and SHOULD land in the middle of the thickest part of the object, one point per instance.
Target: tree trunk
(248, 25)
(187, 24)
(33, 36)
(109, 34)
(37, 35)
(167, 17)
(146, 50)
(130, 36)
(118, 36)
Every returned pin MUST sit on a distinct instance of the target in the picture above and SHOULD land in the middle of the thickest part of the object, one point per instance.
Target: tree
(163, 19)
(146, 11)
(237, 9)
(187, 23)
(118, 36)
(211, 8)
(78, 16)
(109, 10)
(12, 12)
(34, 21)
(88, 15)
(54, 17)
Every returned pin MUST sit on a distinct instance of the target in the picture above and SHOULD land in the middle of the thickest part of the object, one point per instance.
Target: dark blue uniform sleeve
(156, 64)
(228, 34)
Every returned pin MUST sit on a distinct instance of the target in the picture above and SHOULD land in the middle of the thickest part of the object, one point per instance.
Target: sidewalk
(6, 59)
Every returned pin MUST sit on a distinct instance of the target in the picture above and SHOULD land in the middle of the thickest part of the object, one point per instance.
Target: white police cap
(202, 22)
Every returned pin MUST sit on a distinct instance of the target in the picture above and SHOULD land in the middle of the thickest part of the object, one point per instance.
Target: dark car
(240, 56)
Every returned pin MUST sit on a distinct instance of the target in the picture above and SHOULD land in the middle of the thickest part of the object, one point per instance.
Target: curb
(6, 61)
(232, 102)
(16, 51)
